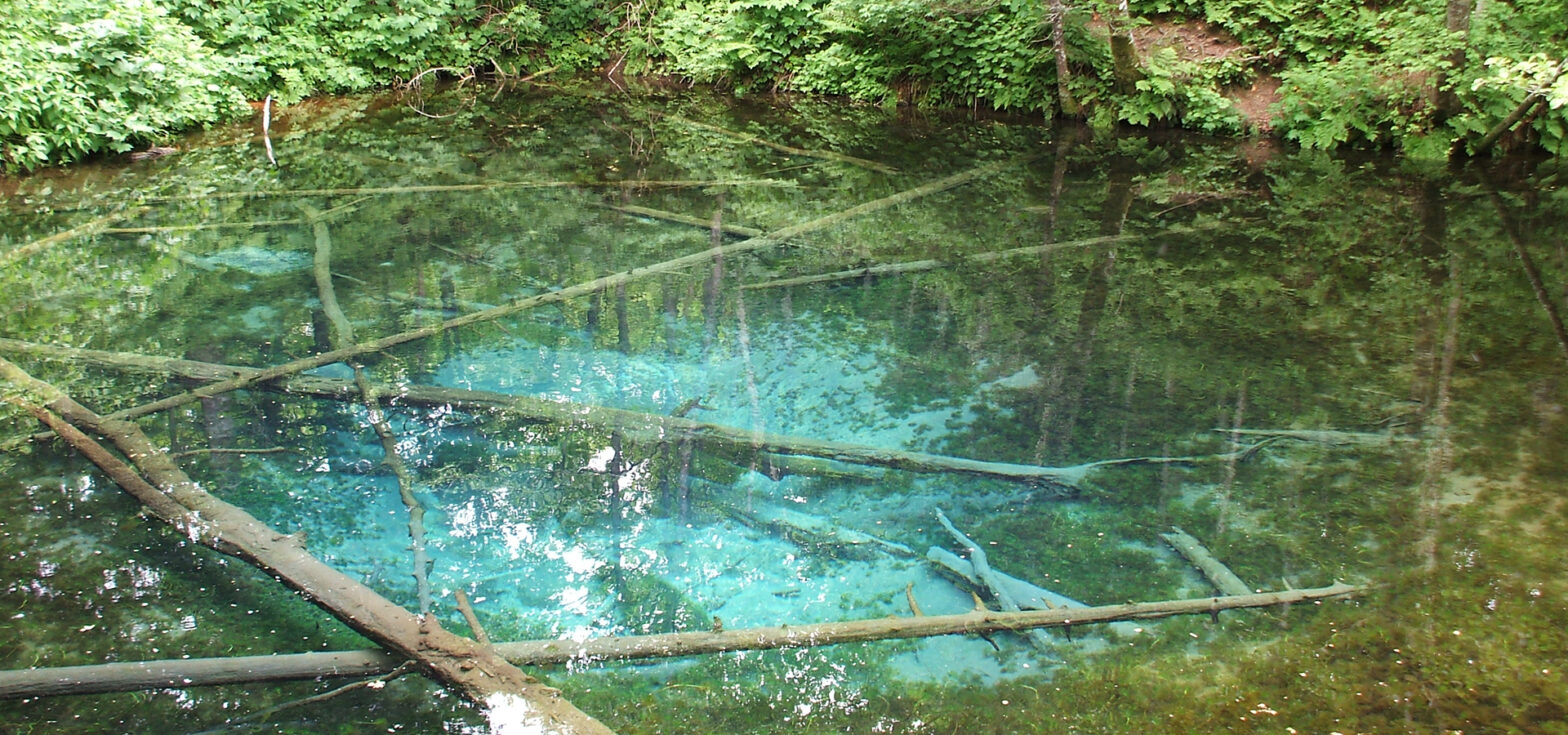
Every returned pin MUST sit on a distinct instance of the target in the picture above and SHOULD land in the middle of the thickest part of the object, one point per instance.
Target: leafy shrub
(79, 76)
(865, 49)
(301, 47)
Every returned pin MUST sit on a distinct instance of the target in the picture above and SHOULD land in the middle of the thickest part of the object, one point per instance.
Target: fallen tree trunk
(1061, 481)
(341, 334)
(1213, 569)
(438, 188)
(1323, 436)
(88, 228)
(1028, 596)
(915, 266)
(473, 671)
(810, 529)
(980, 564)
(179, 674)
(297, 366)
(685, 219)
(807, 153)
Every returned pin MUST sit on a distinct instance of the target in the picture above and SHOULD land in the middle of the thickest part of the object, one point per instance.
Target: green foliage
(295, 48)
(873, 50)
(1172, 91)
(1352, 100)
(88, 75)
(1394, 75)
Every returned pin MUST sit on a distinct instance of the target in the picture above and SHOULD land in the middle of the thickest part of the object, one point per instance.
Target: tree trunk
(476, 672)
(1066, 105)
(1126, 69)
(123, 677)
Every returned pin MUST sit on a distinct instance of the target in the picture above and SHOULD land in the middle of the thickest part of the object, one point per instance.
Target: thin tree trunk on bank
(473, 671)
(1125, 67)
(122, 677)
(1457, 21)
(1066, 105)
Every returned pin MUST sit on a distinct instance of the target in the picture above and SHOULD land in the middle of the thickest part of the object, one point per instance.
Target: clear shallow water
(1252, 288)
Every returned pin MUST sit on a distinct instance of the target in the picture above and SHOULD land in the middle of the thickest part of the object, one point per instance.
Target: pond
(736, 365)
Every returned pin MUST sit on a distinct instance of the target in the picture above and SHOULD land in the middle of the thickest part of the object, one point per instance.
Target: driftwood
(582, 289)
(420, 302)
(179, 674)
(251, 225)
(791, 464)
(437, 188)
(755, 140)
(255, 719)
(266, 129)
(471, 670)
(255, 224)
(82, 230)
(1213, 569)
(1060, 481)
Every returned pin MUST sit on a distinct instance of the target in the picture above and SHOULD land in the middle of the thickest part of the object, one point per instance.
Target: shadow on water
(1387, 336)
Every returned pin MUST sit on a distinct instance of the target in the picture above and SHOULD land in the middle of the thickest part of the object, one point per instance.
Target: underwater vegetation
(1324, 369)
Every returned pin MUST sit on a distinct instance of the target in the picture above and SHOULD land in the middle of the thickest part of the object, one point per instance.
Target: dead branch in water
(82, 230)
(915, 266)
(1057, 481)
(772, 239)
(1213, 569)
(755, 140)
(462, 665)
(177, 674)
(437, 188)
(342, 334)
(685, 219)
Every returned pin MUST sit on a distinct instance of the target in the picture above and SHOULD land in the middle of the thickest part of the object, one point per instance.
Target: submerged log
(991, 581)
(179, 674)
(807, 153)
(582, 289)
(811, 528)
(1061, 481)
(471, 670)
(1323, 436)
(916, 266)
(1027, 595)
(1213, 569)
(89, 228)
(685, 219)
(342, 334)
(438, 188)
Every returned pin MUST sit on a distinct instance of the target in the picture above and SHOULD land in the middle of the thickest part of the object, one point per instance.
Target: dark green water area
(1363, 359)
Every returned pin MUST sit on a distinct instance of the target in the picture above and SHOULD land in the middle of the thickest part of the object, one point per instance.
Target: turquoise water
(1386, 333)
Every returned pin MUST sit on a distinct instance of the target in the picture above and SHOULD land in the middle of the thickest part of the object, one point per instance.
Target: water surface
(1385, 336)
